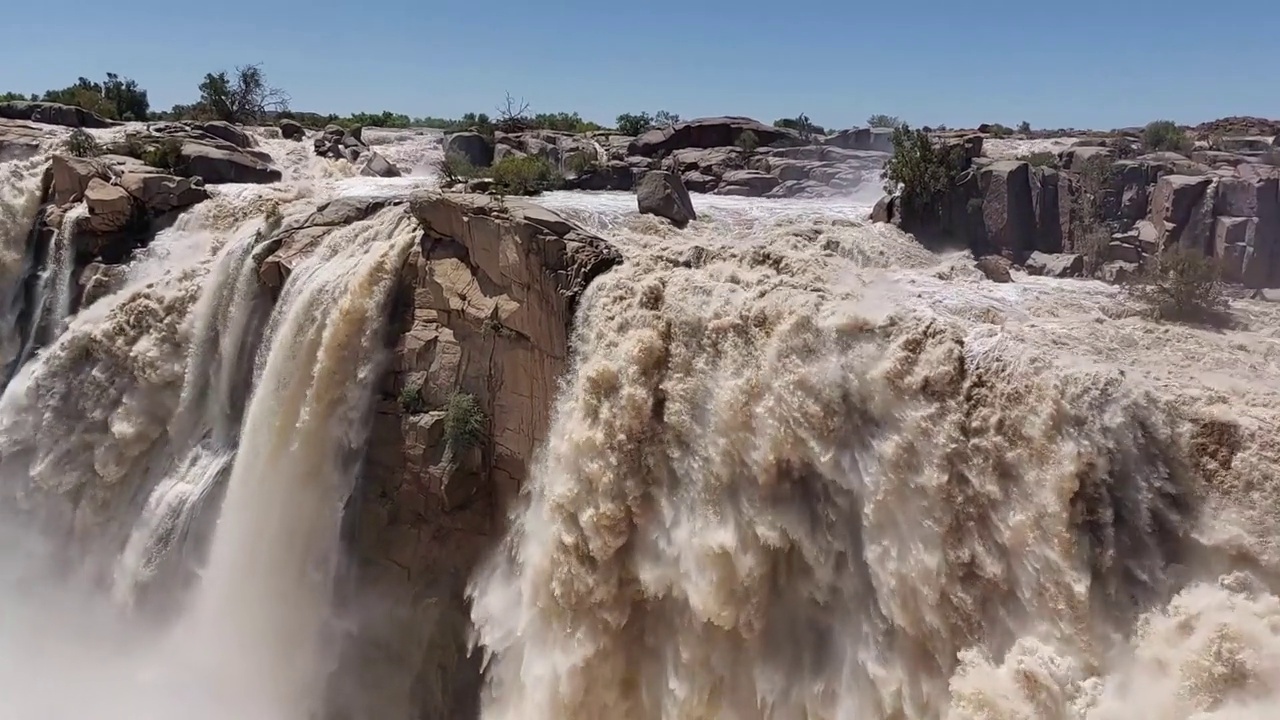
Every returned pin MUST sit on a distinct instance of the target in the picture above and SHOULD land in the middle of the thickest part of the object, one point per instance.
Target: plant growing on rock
(665, 118)
(582, 163)
(748, 141)
(513, 117)
(454, 168)
(81, 144)
(524, 175)
(885, 121)
(464, 422)
(167, 155)
(1180, 284)
(922, 172)
(1086, 211)
(411, 400)
(1165, 135)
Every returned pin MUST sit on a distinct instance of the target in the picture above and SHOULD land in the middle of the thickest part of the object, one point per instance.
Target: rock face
(485, 309)
(295, 239)
(220, 165)
(1230, 211)
(476, 148)
(663, 194)
(53, 114)
(19, 140)
(706, 133)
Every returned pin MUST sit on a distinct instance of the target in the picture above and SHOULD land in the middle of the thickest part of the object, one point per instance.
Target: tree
(18, 97)
(885, 121)
(513, 117)
(245, 99)
(129, 100)
(922, 172)
(1165, 135)
(634, 123)
(802, 125)
(663, 117)
(1180, 284)
(1024, 127)
(1088, 183)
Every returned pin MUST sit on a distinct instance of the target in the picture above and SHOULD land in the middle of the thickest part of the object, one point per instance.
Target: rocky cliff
(481, 328)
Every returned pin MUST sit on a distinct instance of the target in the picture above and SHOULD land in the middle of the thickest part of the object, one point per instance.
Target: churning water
(802, 469)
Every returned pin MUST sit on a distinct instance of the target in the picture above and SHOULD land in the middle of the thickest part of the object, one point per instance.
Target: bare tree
(512, 116)
(246, 99)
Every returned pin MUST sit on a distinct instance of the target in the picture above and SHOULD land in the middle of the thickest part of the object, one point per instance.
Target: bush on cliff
(524, 175)
(1180, 284)
(922, 172)
(167, 155)
(1165, 135)
(464, 421)
(1041, 159)
(454, 167)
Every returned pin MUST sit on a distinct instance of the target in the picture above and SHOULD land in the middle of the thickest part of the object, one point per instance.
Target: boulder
(71, 177)
(226, 132)
(54, 114)
(706, 133)
(1059, 265)
(877, 139)
(20, 140)
(485, 308)
(746, 183)
(111, 209)
(298, 237)
(996, 268)
(217, 165)
(662, 193)
(372, 164)
(291, 130)
(161, 193)
(476, 148)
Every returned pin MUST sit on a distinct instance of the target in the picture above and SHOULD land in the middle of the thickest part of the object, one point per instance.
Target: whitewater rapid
(802, 469)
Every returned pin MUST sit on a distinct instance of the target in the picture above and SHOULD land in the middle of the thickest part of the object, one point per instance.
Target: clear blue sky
(1081, 63)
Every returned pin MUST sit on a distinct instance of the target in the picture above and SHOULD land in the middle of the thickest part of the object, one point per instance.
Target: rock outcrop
(663, 194)
(484, 310)
(339, 143)
(53, 114)
(705, 133)
(1229, 210)
(291, 130)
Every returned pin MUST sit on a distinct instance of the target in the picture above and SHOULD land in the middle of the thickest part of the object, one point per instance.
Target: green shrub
(411, 400)
(922, 172)
(885, 121)
(1041, 159)
(524, 175)
(1024, 127)
(167, 155)
(1165, 135)
(454, 168)
(748, 141)
(634, 123)
(464, 421)
(81, 144)
(1180, 284)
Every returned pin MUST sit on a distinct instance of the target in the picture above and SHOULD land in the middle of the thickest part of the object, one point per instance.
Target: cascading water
(802, 469)
(812, 472)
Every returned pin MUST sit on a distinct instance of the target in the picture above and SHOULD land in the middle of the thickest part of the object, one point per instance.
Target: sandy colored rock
(110, 207)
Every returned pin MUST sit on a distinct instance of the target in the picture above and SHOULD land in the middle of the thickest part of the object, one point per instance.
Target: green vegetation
(639, 123)
(748, 141)
(1024, 127)
(18, 97)
(464, 421)
(243, 98)
(581, 163)
(1041, 159)
(81, 144)
(524, 175)
(922, 172)
(411, 400)
(802, 125)
(998, 130)
(454, 168)
(1165, 135)
(1089, 182)
(1180, 284)
(885, 121)
(167, 155)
